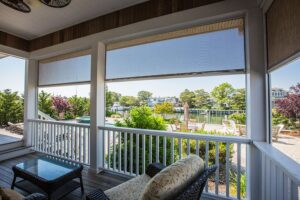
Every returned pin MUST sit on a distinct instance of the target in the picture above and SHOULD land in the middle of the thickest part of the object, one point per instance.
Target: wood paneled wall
(283, 30)
(13, 41)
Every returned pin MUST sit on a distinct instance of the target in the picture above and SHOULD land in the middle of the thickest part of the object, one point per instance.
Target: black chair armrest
(97, 195)
(154, 168)
(36, 196)
(194, 191)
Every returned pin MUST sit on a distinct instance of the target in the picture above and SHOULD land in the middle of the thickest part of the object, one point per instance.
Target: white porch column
(30, 97)
(97, 104)
(256, 99)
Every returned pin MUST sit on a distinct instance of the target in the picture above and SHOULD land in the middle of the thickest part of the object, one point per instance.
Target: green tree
(143, 96)
(128, 101)
(222, 95)
(142, 117)
(202, 99)
(11, 107)
(79, 106)
(111, 97)
(188, 97)
(239, 99)
(164, 108)
(45, 103)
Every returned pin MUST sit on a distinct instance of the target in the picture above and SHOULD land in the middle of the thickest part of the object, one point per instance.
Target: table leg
(81, 184)
(13, 182)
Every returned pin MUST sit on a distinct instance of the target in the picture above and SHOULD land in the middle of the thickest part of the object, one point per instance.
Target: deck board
(5, 139)
(91, 181)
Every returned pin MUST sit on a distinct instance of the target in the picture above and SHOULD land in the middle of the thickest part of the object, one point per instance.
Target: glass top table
(48, 168)
(49, 175)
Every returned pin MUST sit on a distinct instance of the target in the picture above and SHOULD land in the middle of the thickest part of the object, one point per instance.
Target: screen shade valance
(210, 48)
(66, 71)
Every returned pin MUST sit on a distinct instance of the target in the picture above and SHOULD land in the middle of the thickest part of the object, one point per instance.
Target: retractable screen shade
(65, 71)
(217, 47)
(283, 31)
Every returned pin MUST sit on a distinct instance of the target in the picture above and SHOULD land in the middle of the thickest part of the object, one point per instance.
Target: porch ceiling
(43, 19)
(45, 27)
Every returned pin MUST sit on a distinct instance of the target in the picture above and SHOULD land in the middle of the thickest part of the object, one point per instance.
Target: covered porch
(249, 166)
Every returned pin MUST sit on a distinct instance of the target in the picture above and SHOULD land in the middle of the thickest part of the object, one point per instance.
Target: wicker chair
(192, 192)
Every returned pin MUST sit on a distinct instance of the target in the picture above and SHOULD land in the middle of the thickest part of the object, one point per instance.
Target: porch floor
(8, 137)
(91, 181)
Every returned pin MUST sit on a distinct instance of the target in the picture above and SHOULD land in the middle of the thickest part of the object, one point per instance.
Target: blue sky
(286, 76)
(12, 74)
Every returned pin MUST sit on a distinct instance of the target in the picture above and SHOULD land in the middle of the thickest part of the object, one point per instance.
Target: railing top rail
(229, 139)
(217, 110)
(60, 123)
(289, 166)
(44, 115)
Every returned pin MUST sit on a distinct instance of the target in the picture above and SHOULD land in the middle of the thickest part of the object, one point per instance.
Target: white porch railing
(44, 116)
(280, 174)
(122, 155)
(66, 140)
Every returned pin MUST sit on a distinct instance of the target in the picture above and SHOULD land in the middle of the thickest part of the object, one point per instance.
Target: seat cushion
(8, 194)
(172, 180)
(130, 190)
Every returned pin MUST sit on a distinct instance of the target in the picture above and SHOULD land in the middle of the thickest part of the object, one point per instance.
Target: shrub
(211, 149)
(61, 106)
(108, 113)
(143, 118)
(147, 150)
(233, 185)
(239, 118)
(289, 106)
(278, 118)
(11, 107)
(173, 121)
(138, 119)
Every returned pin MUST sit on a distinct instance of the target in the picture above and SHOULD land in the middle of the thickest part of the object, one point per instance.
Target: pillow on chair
(8, 194)
(172, 180)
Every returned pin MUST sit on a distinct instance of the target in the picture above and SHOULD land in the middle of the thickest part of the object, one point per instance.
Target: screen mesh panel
(210, 48)
(283, 31)
(65, 71)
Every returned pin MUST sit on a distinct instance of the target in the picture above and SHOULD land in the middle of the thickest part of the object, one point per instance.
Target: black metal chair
(192, 192)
